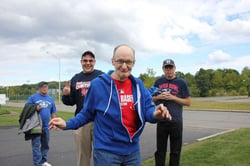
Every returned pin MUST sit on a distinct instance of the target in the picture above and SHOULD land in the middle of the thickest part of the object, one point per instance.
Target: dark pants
(173, 131)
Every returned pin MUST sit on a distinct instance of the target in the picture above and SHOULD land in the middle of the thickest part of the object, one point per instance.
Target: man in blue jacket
(119, 104)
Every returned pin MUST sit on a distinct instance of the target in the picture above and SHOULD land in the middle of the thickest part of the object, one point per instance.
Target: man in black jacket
(74, 93)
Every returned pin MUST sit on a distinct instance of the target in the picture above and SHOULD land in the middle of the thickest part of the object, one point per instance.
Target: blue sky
(196, 34)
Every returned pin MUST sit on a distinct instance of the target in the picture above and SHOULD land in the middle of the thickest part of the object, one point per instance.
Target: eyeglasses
(86, 61)
(127, 62)
(168, 67)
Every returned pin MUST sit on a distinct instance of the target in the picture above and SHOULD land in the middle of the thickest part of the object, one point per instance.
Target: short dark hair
(40, 84)
(88, 53)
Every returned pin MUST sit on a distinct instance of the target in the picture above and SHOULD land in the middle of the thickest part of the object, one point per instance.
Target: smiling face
(123, 60)
(88, 63)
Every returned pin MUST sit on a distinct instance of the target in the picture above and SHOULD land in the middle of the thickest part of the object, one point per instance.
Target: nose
(124, 65)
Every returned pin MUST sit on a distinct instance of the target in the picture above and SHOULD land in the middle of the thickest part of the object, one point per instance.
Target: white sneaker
(46, 164)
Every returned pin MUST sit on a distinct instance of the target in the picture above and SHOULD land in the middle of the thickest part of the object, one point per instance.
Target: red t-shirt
(129, 114)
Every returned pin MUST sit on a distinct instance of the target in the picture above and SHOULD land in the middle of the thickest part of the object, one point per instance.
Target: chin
(88, 70)
(124, 76)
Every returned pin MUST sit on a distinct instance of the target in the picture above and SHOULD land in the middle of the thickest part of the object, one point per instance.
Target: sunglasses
(168, 67)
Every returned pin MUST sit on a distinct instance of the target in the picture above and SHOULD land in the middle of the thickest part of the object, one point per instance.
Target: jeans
(40, 147)
(102, 157)
(173, 131)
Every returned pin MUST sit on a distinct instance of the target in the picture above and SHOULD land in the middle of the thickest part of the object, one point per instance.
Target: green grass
(213, 105)
(230, 149)
(9, 116)
(4, 112)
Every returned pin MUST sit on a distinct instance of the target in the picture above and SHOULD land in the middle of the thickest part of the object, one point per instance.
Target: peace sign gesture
(66, 89)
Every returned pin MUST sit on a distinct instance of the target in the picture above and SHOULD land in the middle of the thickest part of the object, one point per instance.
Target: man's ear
(113, 61)
(163, 69)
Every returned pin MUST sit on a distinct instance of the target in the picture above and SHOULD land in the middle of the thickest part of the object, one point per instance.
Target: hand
(162, 112)
(66, 89)
(56, 123)
(166, 96)
(38, 107)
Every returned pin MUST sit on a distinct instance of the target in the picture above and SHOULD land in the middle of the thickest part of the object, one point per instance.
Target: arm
(68, 94)
(84, 116)
(73, 123)
(169, 97)
(53, 110)
(155, 112)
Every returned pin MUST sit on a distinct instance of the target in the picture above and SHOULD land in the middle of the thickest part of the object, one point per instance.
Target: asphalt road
(197, 124)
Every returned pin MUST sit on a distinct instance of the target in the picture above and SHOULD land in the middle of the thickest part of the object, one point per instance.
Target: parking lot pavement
(15, 151)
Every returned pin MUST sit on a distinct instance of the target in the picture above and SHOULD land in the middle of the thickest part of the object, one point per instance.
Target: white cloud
(218, 57)
(221, 60)
(193, 28)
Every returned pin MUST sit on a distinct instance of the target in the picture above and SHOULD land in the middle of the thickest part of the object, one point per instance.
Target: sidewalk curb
(213, 135)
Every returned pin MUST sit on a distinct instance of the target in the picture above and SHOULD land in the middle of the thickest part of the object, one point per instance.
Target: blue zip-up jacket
(102, 106)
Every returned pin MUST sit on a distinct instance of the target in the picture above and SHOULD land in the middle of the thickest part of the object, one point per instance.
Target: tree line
(205, 83)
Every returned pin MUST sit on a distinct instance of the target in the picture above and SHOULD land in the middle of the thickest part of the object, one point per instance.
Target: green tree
(245, 79)
(194, 90)
(231, 79)
(217, 79)
(148, 78)
(180, 74)
(190, 79)
(202, 78)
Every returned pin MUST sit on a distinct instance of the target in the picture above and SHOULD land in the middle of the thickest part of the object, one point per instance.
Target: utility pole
(59, 76)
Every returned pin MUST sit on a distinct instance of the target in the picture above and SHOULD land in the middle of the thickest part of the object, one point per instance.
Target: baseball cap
(40, 84)
(168, 62)
(88, 53)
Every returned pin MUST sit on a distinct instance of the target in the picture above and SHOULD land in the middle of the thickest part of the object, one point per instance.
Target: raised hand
(66, 89)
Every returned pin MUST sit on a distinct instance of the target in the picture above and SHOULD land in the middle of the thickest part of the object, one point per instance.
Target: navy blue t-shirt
(79, 85)
(177, 87)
